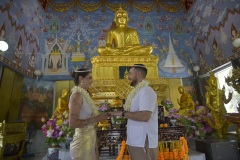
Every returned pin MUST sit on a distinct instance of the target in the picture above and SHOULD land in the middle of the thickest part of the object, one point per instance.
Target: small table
(171, 133)
(111, 138)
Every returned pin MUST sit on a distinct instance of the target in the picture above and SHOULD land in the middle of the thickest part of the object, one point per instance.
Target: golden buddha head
(212, 81)
(181, 89)
(121, 17)
(65, 93)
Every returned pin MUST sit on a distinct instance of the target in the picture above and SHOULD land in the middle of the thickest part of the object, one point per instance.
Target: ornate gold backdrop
(170, 6)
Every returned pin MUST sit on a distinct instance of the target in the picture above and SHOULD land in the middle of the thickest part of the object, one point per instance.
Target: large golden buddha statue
(123, 40)
(122, 49)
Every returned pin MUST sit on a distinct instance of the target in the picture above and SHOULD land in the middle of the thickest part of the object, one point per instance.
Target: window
(223, 72)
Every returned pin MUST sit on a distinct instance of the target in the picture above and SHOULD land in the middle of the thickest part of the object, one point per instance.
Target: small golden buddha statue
(215, 99)
(123, 40)
(117, 102)
(186, 102)
(126, 74)
(62, 104)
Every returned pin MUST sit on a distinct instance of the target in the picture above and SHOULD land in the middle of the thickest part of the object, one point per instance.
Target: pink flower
(57, 127)
(60, 133)
(168, 101)
(43, 127)
(104, 107)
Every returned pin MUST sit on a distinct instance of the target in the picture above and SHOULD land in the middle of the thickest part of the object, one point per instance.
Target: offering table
(111, 138)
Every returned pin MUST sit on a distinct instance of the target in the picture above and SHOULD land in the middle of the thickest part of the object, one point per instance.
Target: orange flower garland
(177, 150)
(123, 146)
(173, 150)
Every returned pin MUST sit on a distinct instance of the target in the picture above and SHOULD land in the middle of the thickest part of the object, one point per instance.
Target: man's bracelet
(123, 113)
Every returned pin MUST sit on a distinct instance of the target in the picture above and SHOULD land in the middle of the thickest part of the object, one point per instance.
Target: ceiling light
(3, 46)
(38, 74)
(236, 42)
(196, 68)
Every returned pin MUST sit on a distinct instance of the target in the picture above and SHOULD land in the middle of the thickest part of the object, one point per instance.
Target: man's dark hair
(141, 68)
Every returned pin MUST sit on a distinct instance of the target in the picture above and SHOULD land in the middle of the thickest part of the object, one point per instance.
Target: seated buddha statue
(123, 40)
(62, 104)
(186, 102)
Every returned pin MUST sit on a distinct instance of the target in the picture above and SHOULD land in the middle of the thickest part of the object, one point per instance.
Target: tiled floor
(193, 155)
(42, 156)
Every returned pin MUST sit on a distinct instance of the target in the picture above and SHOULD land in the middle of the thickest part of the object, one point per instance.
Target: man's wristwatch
(123, 113)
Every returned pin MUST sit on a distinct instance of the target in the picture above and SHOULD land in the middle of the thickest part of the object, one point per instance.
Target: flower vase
(68, 142)
(173, 122)
(53, 152)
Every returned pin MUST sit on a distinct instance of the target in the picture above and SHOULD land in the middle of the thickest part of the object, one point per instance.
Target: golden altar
(122, 50)
(108, 84)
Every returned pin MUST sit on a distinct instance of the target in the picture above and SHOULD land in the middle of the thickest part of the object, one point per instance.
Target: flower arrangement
(167, 104)
(173, 114)
(57, 129)
(104, 107)
(195, 124)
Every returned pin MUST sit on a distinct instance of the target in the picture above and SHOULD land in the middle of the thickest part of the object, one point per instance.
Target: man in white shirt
(141, 111)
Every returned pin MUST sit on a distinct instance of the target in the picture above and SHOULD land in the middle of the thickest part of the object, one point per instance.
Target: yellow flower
(59, 122)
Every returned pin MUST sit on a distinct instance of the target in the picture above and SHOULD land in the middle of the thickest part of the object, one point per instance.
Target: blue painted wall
(192, 35)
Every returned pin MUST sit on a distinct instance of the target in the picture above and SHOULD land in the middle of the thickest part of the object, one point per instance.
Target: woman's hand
(116, 113)
(102, 117)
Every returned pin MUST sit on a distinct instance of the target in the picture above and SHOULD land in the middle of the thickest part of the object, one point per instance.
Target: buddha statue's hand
(178, 101)
(217, 109)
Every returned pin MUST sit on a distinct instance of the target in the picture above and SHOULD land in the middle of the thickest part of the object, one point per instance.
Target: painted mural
(20, 27)
(58, 42)
(36, 102)
(215, 24)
